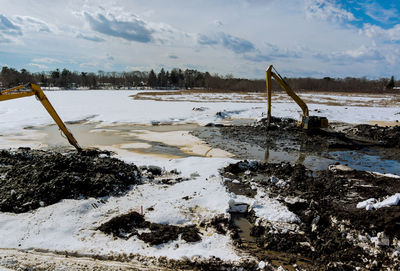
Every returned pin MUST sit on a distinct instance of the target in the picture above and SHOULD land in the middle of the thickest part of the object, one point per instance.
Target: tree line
(182, 79)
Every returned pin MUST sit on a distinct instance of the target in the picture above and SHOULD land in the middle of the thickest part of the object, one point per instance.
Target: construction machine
(30, 90)
(307, 122)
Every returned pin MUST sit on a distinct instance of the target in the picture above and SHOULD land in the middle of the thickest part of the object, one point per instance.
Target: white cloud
(7, 27)
(89, 37)
(115, 22)
(131, 29)
(235, 44)
(380, 14)
(39, 66)
(374, 31)
(327, 10)
(3, 39)
(363, 54)
(28, 23)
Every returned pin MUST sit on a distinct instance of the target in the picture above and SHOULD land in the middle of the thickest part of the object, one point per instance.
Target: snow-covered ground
(117, 107)
(70, 224)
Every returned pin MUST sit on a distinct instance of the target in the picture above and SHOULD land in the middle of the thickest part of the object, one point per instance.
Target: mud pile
(333, 234)
(30, 179)
(389, 136)
(126, 226)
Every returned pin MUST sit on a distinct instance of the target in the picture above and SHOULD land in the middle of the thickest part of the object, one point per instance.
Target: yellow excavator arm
(13, 93)
(307, 122)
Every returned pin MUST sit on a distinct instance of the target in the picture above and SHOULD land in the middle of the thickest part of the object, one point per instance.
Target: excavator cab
(307, 122)
(30, 90)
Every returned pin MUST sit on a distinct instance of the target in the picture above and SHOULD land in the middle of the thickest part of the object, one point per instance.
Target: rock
(339, 168)
(237, 207)
(261, 265)
(281, 184)
(314, 223)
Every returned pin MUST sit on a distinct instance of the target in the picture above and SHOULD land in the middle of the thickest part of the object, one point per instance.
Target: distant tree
(174, 77)
(65, 80)
(199, 81)
(10, 77)
(181, 79)
(162, 78)
(390, 85)
(42, 79)
(92, 80)
(152, 80)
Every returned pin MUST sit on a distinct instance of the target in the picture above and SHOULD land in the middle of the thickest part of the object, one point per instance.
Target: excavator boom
(13, 93)
(307, 122)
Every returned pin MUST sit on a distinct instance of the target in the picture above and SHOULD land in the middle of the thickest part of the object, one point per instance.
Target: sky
(301, 38)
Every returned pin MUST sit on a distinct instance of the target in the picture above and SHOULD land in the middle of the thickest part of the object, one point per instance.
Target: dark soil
(389, 136)
(30, 179)
(328, 216)
(126, 226)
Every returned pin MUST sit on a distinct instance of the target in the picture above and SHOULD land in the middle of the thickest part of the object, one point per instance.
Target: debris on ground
(333, 234)
(33, 178)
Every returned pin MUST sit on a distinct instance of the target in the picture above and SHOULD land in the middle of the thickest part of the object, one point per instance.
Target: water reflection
(354, 159)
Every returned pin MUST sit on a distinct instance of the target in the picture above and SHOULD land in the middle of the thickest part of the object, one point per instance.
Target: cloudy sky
(240, 37)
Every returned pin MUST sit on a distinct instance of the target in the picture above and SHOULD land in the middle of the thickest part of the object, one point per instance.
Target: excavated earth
(333, 233)
(127, 225)
(33, 178)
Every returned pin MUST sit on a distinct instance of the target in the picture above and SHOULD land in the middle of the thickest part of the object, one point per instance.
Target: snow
(372, 203)
(118, 107)
(267, 208)
(74, 222)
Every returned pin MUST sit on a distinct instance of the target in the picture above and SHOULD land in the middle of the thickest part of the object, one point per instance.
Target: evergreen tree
(390, 85)
(152, 80)
(162, 79)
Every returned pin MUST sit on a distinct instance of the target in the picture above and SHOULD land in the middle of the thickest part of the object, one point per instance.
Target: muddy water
(283, 147)
(159, 140)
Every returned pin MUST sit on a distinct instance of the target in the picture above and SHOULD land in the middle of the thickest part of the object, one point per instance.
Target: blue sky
(241, 37)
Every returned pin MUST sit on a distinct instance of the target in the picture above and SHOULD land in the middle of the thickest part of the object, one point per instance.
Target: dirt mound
(126, 226)
(30, 179)
(333, 233)
(389, 136)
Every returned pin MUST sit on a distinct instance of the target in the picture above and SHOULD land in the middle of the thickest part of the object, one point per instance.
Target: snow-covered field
(70, 224)
(117, 107)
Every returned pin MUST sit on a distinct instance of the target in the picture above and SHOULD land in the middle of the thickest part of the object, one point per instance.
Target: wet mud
(364, 147)
(32, 178)
(388, 136)
(333, 233)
